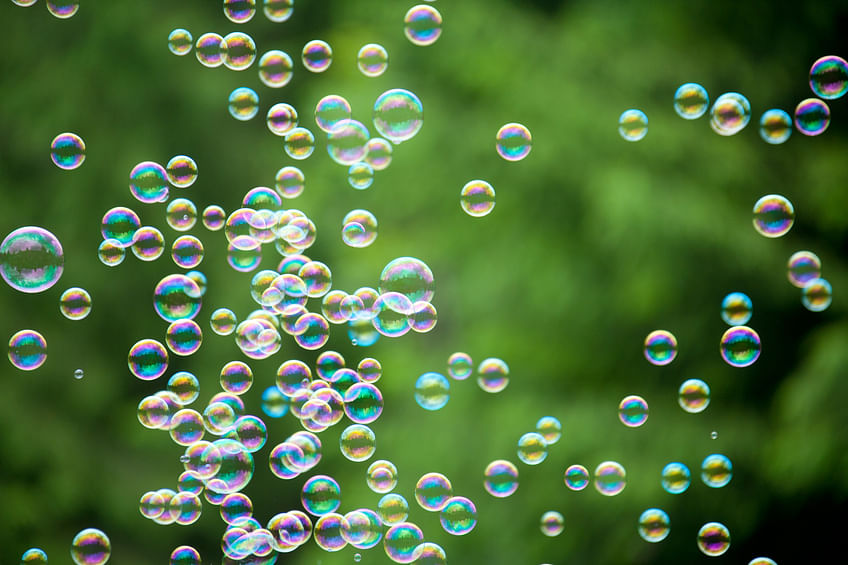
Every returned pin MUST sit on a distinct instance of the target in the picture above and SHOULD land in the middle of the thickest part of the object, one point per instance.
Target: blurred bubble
(513, 142)
(239, 11)
(500, 478)
(675, 478)
(149, 182)
(148, 359)
(378, 153)
(243, 103)
(610, 478)
(713, 434)
(429, 553)
(27, 350)
(75, 303)
(320, 495)
(110, 252)
(382, 476)
(730, 113)
(244, 254)
(694, 396)
(654, 525)
(346, 142)
(740, 346)
(186, 427)
(331, 110)
(460, 366)
(773, 215)
(67, 150)
(214, 217)
(31, 259)
(552, 523)
(691, 101)
(275, 68)
(633, 125)
(816, 295)
(761, 561)
(210, 49)
(176, 297)
(713, 539)
(458, 516)
(660, 347)
(492, 375)
(736, 309)
(78, 374)
(299, 143)
(289, 182)
(372, 60)
(401, 541)
(62, 9)
(829, 77)
(716, 470)
(34, 556)
(185, 555)
(803, 266)
(432, 491)
(360, 175)
(576, 477)
(812, 116)
(398, 115)
(549, 428)
(358, 442)
(25, 3)
(432, 391)
(532, 448)
(477, 198)
(180, 41)
(311, 331)
(775, 126)
(274, 403)
(153, 412)
(392, 509)
(422, 25)
(90, 547)
(393, 311)
(281, 118)
(278, 10)
(183, 337)
(633, 411)
(317, 56)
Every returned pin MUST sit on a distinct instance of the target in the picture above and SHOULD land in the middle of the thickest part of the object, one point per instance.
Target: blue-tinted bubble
(633, 125)
(660, 347)
(633, 411)
(532, 448)
(812, 116)
(239, 11)
(676, 478)
(149, 182)
(816, 295)
(363, 403)
(716, 470)
(281, 118)
(432, 391)
(120, 223)
(576, 477)
(187, 251)
(183, 337)
(500, 478)
(422, 25)
(67, 150)
(736, 309)
(329, 532)
(775, 126)
(27, 350)
(34, 556)
(654, 525)
(829, 77)
(691, 101)
(610, 478)
(62, 9)
(740, 346)
(274, 403)
(177, 297)
(320, 495)
(773, 215)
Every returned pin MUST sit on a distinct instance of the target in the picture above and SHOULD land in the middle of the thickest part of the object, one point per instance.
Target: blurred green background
(594, 242)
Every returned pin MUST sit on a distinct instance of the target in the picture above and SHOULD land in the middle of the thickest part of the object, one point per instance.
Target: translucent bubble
(185, 386)
(775, 126)
(432, 491)
(183, 337)
(75, 303)
(513, 142)
(736, 308)
(62, 9)
(552, 523)
(460, 366)
(576, 477)
(329, 532)
(275, 68)
(633, 411)
(401, 541)
(176, 297)
(239, 11)
(223, 321)
(235, 506)
(654, 525)
(382, 476)
(187, 251)
(320, 495)
(691, 101)
(317, 56)
(148, 359)
(398, 115)
(331, 110)
(24, 3)
(31, 259)
(429, 553)
(458, 516)
(816, 295)
(120, 223)
(243, 103)
(675, 478)
(660, 347)
(148, 243)
(281, 118)
(378, 153)
(694, 396)
(182, 172)
(299, 143)
(532, 448)
(185, 555)
(761, 561)
(210, 49)
(610, 478)
(186, 427)
(829, 77)
(317, 277)
(493, 375)
(278, 10)
(244, 254)
(713, 434)
(363, 403)
(214, 217)
(355, 234)
(633, 125)
(477, 198)
(392, 509)
(803, 266)
(716, 470)
(236, 377)
(773, 215)
(812, 116)
(713, 539)
(730, 113)
(78, 374)
(740, 346)
(550, 429)
(153, 412)
(422, 25)
(180, 41)
(311, 331)
(34, 556)
(149, 182)
(372, 60)
(90, 547)
(360, 175)
(346, 142)
(500, 478)
(27, 350)
(110, 252)
(358, 442)
(432, 391)
(67, 151)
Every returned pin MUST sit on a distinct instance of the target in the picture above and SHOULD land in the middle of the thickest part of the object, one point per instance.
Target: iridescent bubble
(185, 555)
(694, 396)
(429, 553)
(278, 10)
(27, 350)
(493, 375)
(281, 118)
(382, 476)
(736, 308)
(675, 478)
(120, 223)
(34, 556)
(812, 116)
(75, 303)
(311, 331)
(317, 56)
(236, 377)
(235, 506)
(299, 143)
(660, 347)
(460, 366)
(654, 525)
(183, 337)
(532, 448)
(180, 41)
(550, 429)
(329, 530)
(691, 101)
(148, 359)
(236, 467)
(398, 115)
(176, 297)
(214, 217)
(148, 243)
(378, 153)
(62, 9)
(432, 391)
(392, 509)
(292, 375)
(90, 547)
(243, 103)
(829, 77)
(149, 182)
(110, 252)
(432, 491)
(223, 321)
(289, 182)
(31, 259)
(239, 11)
(210, 49)
(500, 478)
(186, 507)
(713, 539)
(186, 427)
(360, 175)
(275, 68)
(185, 385)
(401, 541)
(358, 442)
(410, 277)
(803, 266)
(317, 277)
(552, 523)
(422, 25)
(320, 495)
(633, 411)
(153, 412)
(730, 113)
(363, 403)
(773, 215)
(423, 317)
(187, 251)
(331, 110)
(576, 477)
(716, 470)
(244, 254)
(775, 126)
(762, 561)
(24, 3)
(610, 478)
(458, 516)
(393, 311)
(67, 150)
(372, 60)
(740, 346)
(182, 172)
(513, 142)
(816, 295)
(633, 125)
(356, 234)
(346, 142)
(477, 198)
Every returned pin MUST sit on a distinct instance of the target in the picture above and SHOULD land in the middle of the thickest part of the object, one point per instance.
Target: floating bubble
(243, 103)
(331, 110)
(761, 561)
(110, 252)
(275, 68)
(378, 153)
(610, 478)
(460, 366)
(185, 555)
(120, 223)
(423, 317)
(180, 41)
(27, 350)
(493, 375)
(660, 347)
(736, 308)
(713, 539)
(633, 411)
(360, 175)
(552, 523)
(382, 476)
(281, 118)
(236, 377)
(329, 530)
(25, 3)
(317, 56)
(183, 337)
(187, 251)
(363, 403)
(182, 172)
(235, 506)
(311, 331)
(633, 125)
(214, 217)
(75, 303)
(31, 259)
(148, 243)
(67, 150)
(372, 60)
(369, 369)
(185, 386)
(775, 126)
(401, 541)
(34, 556)
(320, 495)
(550, 429)
(773, 215)
(429, 553)
(398, 115)
(432, 491)
(532, 448)
(513, 142)
(78, 374)
(186, 427)
(90, 547)
(817, 295)
(477, 198)
(654, 525)
(223, 321)
(803, 266)
(713, 434)
(299, 143)
(176, 297)
(716, 470)
(358, 442)
(278, 11)
(153, 412)
(392, 509)
(210, 49)
(63, 9)
(576, 477)
(694, 396)
(422, 25)
(691, 101)
(500, 478)
(458, 516)
(730, 113)
(289, 182)
(346, 142)
(149, 182)
(812, 116)
(675, 478)
(740, 346)
(148, 359)
(432, 391)
(829, 77)
(393, 311)
(239, 11)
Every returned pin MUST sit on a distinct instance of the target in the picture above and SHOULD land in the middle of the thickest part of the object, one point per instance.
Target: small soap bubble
(432, 391)
(180, 41)
(816, 295)
(31, 259)
(730, 113)
(290, 182)
(149, 182)
(660, 347)
(62, 9)
(676, 478)
(654, 525)
(299, 143)
(610, 478)
(552, 523)
(761, 561)
(432, 491)
(275, 68)
(358, 442)
(513, 142)
(182, 171)
(347, 142)
(111, 252)
(281, 118)
(25, 3)
(27, 350)
(185, 555)
(372, 60)
(181, 214)
(360, 175)
(500, 478)
(148, 359)
(492, 375)
(67, 150)
(802, 267)
(75, 303)
(331, 110)
(775, 126)
(691, 101)
(359, 228)
(713, 539)
(550, 428)
(773, 215)
(633, 125)
(214, 217)
(812, 116)
(78, 374)
(378, 153)
(382, 476)
(716, 470)
(90, 547)
(278, 11)
(633, 411)
(736, 309)
(210, 49)
(740, 346)
(576, 477)
(694, 396)
(422, 25)
(532, 448)
(477, 198)
(120, 223)
(148, 243)
(34, 555)
(713, 434)
(243, 103)
(829, 77)
(398, 115)
(460, 366)
(317, 56)
(236, 377)
(239, 11)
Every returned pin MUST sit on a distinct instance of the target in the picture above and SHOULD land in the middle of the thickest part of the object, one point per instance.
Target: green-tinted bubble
(633, 411)
(363, 403)
(401, 541)
(513, 142)
(432, 391)
(90, 547)
(31, 259)
(176, 297)
(243, 103)
(187, 251)
(382, 476)
(676, 478)
(660, 347)
(148, 243)
(274, 403)
(398, 115)
(223, 321)
(235, 506)
(299, 143)
(576, 477)
(409, 276)
(736, 309)
(477, 198)
(550, 429)
(552, 523)
(694, 396)
(378, 153)
(654, 525)
(493, 375)
(829, 77)
(432, 491)
(186, 427)
(500, 478)
(392, 509)
(458, 516)
(716, 470)
(775, 126)
(358, 442)
(214, 217)
(372, 60)
(331, 110)
(275, 68)
(317, 56)
(633, 125)
(429, 553)
(713, 539)
(149, 182)
(180, 41)
(812, 116)
(27, 350)
(320, 495)
(691, 101)
(236, 377)
(148, 359)
(762, 561)
(532, 448)
(740, 346)
(610, 478)
(67, 150)
(816, 295)
(422, 25)
(120, 223)
(210, 49)
(185, 555)
(360, 175)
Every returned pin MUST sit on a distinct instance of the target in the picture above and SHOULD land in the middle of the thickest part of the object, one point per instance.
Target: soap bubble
(730, 113)
(176, 297)
(329, 530)
(761, 561)
(185, 386)
(675, 478)
(358, 442)
(243, 103)
(812, 116)
(180, 41)
(550, 429)
(532, 448)
(185, 555)
(275, 68)
(299, 143)
(423, 317)
(654, 525)
(422, 25)
(492, 375)
(817, 295)
(829, 77)
(67, 150)
(432, 491)
(660, 347)
(431, 391)
(62, 9)
(120, 223)
(78, 374)
(149, 182)
(111, 252)
(393, 311)
(183, 337)
(210, 49)
(34, 556)
(633, 125)
(320, 495)
(610, 478)
(740, 346)
(289, 182)
(773, 215)
(236, 377)
(31, 259)
(359, 228)
(182, 171)
(214, 217)
(75, 303)
(378, 153)
(360, 175)
(281, 118)
(429, 553)
(363, 403)
(186, 427)
(153, 412)
(713, 539)
(90, 547)
(346, 142)
(148, 359)
(513, 142)
(633, 411)
(311, 331)
(694, 396)
(398, 115)
(393, 509)
(477, 198)
(148, 243)
(716, 470)
(736, 309)
(500, 478)
(802, 267)
(460, 366)
(27, 350)
(775, 126)
(691, 101)
(331, 110)
(401, 541)
(187, 251)
(372, 60)
(223, 321)
(576, 477)
(239, 11)
(317, 56)
(552, 523)
(382, 476)
(241, 51)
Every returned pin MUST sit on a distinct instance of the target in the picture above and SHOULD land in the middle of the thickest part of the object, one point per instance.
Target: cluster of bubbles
(62, 9)
(432, 389)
